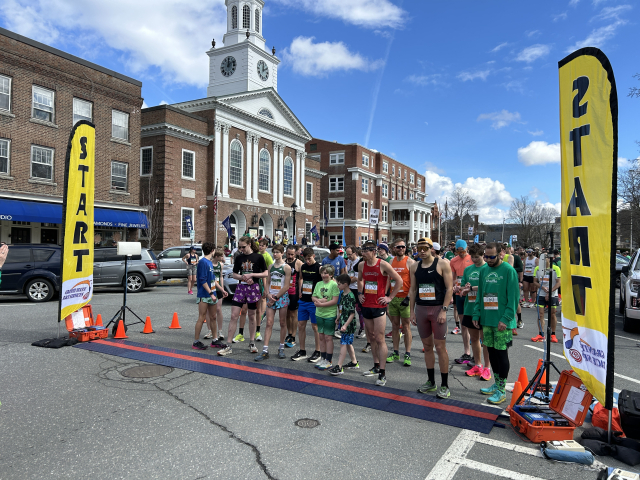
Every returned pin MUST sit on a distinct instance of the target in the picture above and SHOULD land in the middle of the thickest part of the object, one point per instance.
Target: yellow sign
(588, 142)
(77, 218)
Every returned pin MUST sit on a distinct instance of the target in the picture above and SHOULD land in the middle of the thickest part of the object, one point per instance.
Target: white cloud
(626, 163)
(536, 133)
(597, 37)
(609, 13)
(144, 104)
(500, 47)
(163, 102)
(437, 186)
(533, 33)
(482, 74)
(515, 85)
(500, 119)
(573, 3)
(539, 153)
(318, 59)
(534, 52)
(560, 16)
(487, 192)
(425, 80)
(170, 36)
(363, 13)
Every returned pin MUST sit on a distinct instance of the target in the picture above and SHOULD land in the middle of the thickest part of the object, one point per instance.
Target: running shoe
(336, 370)
(443, 392)
(320, 363)
(393, 357)
(407, 360)
(337, 334)
(554, 339)
(389, 335)
(464, 359)
(456, 331)
(326, 365)
(225, 351)
(299, 356)
(514, 332)
(253, 348)
(352, 366)
(520, 324)
(497, 397)
(209, 336)
(258, 337)
(199, 345)
(190, 292)
(538, 338)
(427, 386)
(367, 348)
(371, 372)
(382, 380)
(289, 343)
(217, 344)
(486, 374)
(281, 354)
(489, 390)
(315, 357)
(262, 356)
(361, 334)
(238, 338)
(474, 372)
(220, 337)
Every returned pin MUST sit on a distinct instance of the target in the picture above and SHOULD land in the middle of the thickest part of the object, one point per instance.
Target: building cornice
(174, 131)
(312, 172)
(51, 199)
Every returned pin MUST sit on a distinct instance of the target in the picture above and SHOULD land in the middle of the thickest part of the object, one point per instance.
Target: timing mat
(411, 404)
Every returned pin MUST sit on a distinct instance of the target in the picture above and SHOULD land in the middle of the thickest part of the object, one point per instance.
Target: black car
(32, 269)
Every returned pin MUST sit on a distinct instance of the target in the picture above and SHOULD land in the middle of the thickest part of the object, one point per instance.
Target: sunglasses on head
(491, 257)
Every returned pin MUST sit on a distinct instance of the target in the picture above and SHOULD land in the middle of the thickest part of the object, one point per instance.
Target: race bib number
(472, 296)
(276, 285)
(427, 291)
(458, 280)
(528, 271)
(307, 288)
(371, 288)
(490, 302)
(545, 281)
(393, 285)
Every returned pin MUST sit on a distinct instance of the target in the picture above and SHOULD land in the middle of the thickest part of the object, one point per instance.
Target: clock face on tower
(263, 70)
(228, 66)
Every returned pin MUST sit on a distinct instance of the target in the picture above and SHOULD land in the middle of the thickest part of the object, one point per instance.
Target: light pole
(293, 211)
(503, 219)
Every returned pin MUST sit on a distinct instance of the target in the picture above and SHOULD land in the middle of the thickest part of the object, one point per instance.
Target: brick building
(242, 138)
(43, 92)
(359, 179)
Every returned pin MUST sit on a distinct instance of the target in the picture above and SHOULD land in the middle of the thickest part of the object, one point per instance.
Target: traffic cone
(174, 322)
(120, 330)
(99, 321)
(147, 326)
(522, 378)
(543, 380)
(517, 391)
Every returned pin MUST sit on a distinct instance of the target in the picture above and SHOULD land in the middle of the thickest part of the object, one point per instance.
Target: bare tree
(460, 205)
(533, 220)
(150, 198)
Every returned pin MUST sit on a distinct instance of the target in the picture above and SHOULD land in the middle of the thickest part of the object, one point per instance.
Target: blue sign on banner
(477, 239)
(187, 220)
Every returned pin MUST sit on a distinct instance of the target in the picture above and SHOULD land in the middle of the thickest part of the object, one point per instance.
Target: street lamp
(294, 207)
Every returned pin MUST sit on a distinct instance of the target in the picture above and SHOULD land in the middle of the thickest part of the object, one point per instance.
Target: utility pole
(503, 219)
(446, 225)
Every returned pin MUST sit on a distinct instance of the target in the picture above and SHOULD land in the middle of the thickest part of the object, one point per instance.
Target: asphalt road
(70, 413)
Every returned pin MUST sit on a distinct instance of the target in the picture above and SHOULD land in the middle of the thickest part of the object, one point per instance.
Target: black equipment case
(629, 407)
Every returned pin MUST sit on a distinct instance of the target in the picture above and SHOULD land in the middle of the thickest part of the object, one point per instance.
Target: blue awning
(25, 211)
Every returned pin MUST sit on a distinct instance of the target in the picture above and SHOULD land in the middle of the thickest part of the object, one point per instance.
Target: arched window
(266, 113)
(235, 164)
(257, 20)
(265, 162)
(234, 17)
(246, 17)
(288, 177)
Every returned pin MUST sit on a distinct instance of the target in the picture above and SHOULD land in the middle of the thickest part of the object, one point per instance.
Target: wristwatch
(445, 309)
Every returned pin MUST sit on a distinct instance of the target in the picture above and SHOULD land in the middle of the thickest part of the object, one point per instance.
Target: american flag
(215, 200)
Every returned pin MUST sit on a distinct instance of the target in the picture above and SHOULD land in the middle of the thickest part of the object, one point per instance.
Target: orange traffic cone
(522, 378)
(120, 330)
(174, 322)
(517, 391)
(147, 326)
(99, 321)
(543, 380)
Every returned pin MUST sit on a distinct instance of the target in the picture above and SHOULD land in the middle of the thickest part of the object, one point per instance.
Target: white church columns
(256, 166)
(249, 164)
(225, 159)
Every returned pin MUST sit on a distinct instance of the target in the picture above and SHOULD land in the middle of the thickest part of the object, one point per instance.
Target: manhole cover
(307, 423)
(146, 371)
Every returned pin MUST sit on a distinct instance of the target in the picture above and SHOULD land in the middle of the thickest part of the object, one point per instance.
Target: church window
(266, 113)
(288, 176)
(234, 17)
(235, 164)
(246, 17)
(257, 20)
(265, 162)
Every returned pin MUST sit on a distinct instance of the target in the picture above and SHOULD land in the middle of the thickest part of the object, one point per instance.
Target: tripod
(120, 314)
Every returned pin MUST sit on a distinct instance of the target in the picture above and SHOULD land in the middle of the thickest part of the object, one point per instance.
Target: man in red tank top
(373, 274)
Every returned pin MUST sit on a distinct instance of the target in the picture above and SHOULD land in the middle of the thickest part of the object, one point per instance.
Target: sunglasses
(401, 246)
(424, 249)
(491, 257)
(369, 249)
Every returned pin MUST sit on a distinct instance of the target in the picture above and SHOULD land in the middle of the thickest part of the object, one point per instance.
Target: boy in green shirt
(325, 298)
(495, 309)
(346, 325)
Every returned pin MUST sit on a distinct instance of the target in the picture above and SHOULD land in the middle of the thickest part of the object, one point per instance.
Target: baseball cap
(425, 240)
(436, 246)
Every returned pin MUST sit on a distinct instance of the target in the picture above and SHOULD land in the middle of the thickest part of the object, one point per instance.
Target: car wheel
(39, 290)
(135, 283)
(617, 281)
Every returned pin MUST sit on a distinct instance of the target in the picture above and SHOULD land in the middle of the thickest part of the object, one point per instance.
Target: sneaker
(514, 332)
(371, 372)
(190, 292)
(407, 360)
(253, 348)
(352, 366)
(389, 335)
(489, 390)
(381, 381)
(486, 374)
(474, 372)
(225, 351)
(497, 397)
(299, 356)
(320, 363)
(361, 334)
(209, 336)
(281, 353)
(520, 324)
(336, 370)
(554, 339)
(262, 356)
(238, 338)
(367, 348)
(289, 343)
(325, 366)
(393, 357)
(315, 357)
(337, 334)
(220, 337)
(464, 359)
(199, 345)
(443, 392)
(456, 331)
(426, 387)
(217, 344)
(258, 337)
(538, 338)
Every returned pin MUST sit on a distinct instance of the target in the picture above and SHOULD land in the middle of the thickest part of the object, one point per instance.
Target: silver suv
(171, 263)
(108, 269)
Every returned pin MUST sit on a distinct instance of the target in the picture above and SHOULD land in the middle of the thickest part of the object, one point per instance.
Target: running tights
(499, 362)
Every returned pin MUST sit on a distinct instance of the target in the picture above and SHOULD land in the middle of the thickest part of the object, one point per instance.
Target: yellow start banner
(589, 150)
(77, 219)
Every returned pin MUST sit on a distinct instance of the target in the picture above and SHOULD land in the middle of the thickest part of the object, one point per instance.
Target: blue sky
(465, 91)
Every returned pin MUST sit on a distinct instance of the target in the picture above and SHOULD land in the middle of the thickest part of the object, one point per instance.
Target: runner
(292, 310)
(469, 283)
(530, 264)
(544, 301)
(247, 269)
(325, 297)
(261, 310)
(458, 263)
(431, 293)
(309, 276)
(347, 324)
(399, 307)
(206, 297)
(217, 262)
(383, 252)
(276, 286)
(372, 285)
(451, 253)
(335, 260)
(498, 297)
(353, 258)
(191, 259)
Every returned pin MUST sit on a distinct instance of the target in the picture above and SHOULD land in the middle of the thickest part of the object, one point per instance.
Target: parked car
(629, 285)
(171, 263)
(34, 270)
(621, 261)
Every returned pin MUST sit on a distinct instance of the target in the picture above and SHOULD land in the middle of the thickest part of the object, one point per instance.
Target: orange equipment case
(538, 434)
(91, 332)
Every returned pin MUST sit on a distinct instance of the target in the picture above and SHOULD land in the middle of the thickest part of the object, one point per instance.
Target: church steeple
(244, 16)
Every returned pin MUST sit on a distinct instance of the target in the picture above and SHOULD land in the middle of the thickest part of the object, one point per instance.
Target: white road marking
(496, 471)
(447, 466)
(509, 446)
(627, 338)
(542, 350)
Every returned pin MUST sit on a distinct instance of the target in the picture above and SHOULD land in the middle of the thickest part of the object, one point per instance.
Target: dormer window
(266, 113)
(246, 17)
(234, 17)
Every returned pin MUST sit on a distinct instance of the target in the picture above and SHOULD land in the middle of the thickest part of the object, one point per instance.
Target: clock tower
(242, 64)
